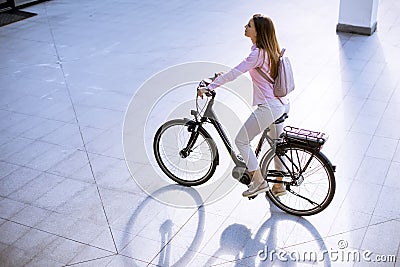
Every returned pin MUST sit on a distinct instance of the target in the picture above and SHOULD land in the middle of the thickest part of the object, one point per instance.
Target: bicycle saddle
(282, 118)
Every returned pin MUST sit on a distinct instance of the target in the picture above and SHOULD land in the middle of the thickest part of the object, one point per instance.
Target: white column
(358, 16)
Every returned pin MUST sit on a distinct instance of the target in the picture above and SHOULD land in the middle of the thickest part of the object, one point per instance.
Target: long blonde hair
(267, 41)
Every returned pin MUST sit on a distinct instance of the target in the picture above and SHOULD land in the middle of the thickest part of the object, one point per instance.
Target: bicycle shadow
(237, 241)
(265, 248)
(166, 232)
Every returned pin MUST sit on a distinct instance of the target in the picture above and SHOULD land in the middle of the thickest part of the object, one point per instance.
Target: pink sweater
(262, 89)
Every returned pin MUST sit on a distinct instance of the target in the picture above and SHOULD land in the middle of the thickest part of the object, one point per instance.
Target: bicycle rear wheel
(308, 178)
(189, 167)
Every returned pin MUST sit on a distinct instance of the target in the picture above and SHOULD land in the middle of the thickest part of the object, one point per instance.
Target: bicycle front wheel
(187, 164)
(307, 176)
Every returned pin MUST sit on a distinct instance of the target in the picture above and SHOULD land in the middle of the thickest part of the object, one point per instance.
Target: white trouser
(259, 120)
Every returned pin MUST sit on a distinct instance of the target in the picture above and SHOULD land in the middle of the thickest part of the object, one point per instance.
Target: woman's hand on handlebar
(201, 91)
(202, 88)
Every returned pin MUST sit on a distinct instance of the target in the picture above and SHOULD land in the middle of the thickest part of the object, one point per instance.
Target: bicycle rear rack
(303, 136)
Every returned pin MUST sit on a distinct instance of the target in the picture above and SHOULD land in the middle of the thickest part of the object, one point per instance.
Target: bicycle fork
(193, 129)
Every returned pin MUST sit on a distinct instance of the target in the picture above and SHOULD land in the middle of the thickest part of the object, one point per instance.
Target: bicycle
(188, 155)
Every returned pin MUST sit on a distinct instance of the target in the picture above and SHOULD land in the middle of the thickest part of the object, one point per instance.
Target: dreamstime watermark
(340, 254)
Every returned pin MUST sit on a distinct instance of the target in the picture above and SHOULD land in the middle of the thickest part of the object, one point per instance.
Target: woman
(264, 55)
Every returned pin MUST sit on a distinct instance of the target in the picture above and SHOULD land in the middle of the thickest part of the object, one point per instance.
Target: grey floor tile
(29, 105)
(11, 232)
(36, 188)
(392, 176)
(6, 137)
(362, 197)
(28, 123)
(386, 129)
(68, 135)
(109, 240)
(9, 97)
(11, 118)
(386, 234)
(120, 260)
(67, 114)
(101, 118)
(396, 156)
(3, 246)
(352, 239)
(35, 241)
(7, 168)
(366, 124)
(42, 129)
(388, 197)
(383, 148)
(9, 207)
(51, 158)
(13, 256)
(343, 185)
(110, 172)
(134, 250)
(347, 166)
(89, 134)
(39, 88)
(41, 261)
(87, 206)
(356, 144)
(62, 250)
(60, 194)
(392, 110)
(373, 108)
(13, 146)
(106, 99)
(85, 232)
(373, 170)
(381, 93)
(92, 257)
(30, 152)
(30, 216)
(57, 223)
(41, 76)
(106, 141)
(349, 220)
(83, 174)
(16, 180)
(67, 167)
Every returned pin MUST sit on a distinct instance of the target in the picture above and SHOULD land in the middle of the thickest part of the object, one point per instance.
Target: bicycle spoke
(305, 198)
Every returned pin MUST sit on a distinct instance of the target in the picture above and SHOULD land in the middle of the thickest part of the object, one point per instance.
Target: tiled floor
(67, 77)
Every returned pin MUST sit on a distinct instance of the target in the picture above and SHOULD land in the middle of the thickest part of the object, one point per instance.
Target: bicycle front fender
(196, 126)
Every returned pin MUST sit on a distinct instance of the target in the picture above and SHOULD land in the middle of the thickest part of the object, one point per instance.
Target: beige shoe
(255, 190)
(278, 191)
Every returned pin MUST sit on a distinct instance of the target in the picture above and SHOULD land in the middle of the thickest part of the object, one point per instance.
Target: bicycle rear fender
(333, 167)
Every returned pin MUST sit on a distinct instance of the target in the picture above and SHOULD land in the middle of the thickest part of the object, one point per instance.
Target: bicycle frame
(210, 116)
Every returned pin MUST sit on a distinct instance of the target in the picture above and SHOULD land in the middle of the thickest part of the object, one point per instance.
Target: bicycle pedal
(253, 197)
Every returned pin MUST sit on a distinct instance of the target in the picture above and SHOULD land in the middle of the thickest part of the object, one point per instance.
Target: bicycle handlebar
(205, 82)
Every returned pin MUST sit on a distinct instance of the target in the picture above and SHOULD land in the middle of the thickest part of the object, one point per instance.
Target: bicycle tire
(173, 136)
(318, 183)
